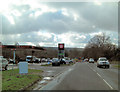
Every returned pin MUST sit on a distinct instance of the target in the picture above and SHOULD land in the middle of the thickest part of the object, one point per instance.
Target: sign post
(61, 52)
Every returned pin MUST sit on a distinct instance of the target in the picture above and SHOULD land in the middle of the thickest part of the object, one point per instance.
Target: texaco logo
(61, 46)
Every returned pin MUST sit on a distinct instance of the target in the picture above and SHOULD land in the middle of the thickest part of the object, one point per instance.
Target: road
(80, 76)
(85, 76)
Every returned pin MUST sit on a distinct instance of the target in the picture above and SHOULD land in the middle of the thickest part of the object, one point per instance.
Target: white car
(91, 60)
(102, 61)
(30, 59)
(3, 63)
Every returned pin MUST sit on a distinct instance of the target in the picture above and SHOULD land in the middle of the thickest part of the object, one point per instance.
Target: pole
(14, 56)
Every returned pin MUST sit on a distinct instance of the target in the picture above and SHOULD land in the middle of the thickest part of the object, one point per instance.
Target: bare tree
(99, 45)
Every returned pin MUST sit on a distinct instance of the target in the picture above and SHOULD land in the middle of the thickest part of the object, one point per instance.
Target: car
(103, 62)
(91, 60)
(30, 59)
(11, 61)
(43, 60)
(37, 60)
(4, 63)
(55, 62)
(86, 60)
(62, 61)
(71, 61)
(50, 60)
(67, 61)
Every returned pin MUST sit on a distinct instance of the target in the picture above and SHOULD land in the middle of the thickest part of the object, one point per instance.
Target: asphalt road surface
(85, 76)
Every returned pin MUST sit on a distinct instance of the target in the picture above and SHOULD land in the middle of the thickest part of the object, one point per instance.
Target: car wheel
(52, 64)
(6, 67)
(108, 66)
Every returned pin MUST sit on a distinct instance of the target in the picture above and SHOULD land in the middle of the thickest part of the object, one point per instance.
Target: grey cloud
(103, 17)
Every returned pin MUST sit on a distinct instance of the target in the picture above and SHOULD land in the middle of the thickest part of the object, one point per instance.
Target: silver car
(103, 62)
(3, 63)
(91, 60)
(55, 62)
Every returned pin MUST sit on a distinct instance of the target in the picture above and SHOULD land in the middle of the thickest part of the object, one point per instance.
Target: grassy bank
(114, 62)
(12, 80)
(117, 66)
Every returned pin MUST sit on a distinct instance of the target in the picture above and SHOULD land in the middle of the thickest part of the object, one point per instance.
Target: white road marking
(94, 70)
(99, 75)
(102, 78)
(107, 84)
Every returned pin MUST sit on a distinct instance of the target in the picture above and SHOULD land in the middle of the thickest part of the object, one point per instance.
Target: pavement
(84, 76)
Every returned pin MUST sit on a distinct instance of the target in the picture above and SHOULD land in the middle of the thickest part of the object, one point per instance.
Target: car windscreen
(29, 57)
(103, 59)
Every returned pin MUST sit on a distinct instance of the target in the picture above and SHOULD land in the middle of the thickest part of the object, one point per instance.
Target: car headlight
(107, 63)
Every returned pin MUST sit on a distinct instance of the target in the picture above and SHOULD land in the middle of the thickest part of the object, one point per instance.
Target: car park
(91, 60)
(3, 63)
(103, 62)
(56, 62)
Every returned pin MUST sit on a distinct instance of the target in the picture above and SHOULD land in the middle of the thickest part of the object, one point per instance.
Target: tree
(99, 46)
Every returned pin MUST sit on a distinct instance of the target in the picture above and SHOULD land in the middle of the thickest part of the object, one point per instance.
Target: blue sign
(23, 67)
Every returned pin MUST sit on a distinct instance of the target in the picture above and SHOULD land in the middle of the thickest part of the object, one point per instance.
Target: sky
(32, 22)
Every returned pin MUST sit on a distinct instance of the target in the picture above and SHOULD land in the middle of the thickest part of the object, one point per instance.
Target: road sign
(61, 50)
(61, 46)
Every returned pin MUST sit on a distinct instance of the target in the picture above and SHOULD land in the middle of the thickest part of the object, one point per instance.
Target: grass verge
(117, 66)
(12, 80)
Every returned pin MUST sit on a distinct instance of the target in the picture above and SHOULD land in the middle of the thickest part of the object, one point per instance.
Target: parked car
(62, 61)
(102, 61)
(4, 63)
(37, 60)
(11, 61)
(30, 59)
(55, 62)
(91, 60)
(67, 61)
(71, 61)
(86, 60)
(43, 60)
(50, 60)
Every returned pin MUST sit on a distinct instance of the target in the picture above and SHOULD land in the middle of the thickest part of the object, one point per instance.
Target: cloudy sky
(49, 23)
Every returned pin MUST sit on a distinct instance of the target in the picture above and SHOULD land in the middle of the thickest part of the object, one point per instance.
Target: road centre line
(99, 75)
(107, 83)
(102, 78)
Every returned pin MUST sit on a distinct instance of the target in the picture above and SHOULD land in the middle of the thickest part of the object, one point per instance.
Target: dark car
(56, 62)
(37, 60)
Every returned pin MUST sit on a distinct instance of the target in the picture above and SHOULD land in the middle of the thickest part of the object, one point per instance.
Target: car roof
(102, 58)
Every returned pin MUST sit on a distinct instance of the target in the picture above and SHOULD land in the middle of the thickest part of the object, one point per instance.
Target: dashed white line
(94, 70)
(107, 84)
(102, 78)
(99, 75)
